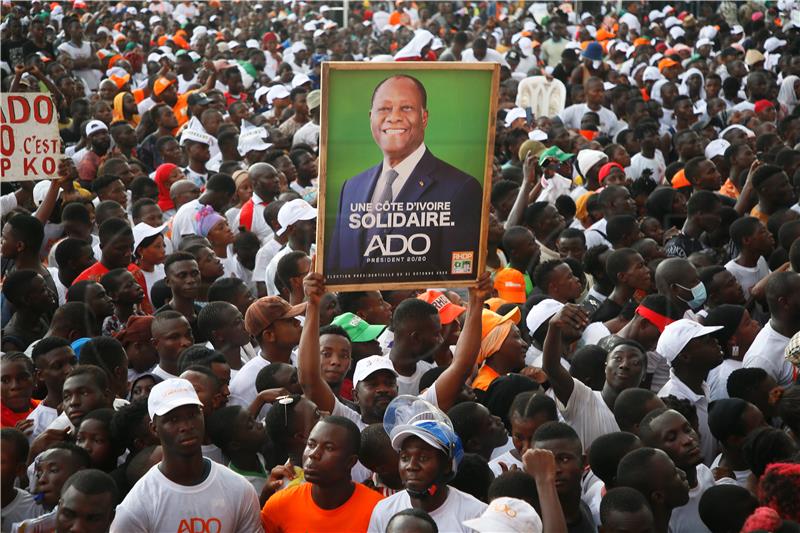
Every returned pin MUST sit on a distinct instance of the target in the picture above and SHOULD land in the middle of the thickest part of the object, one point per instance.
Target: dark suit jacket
(432, 180)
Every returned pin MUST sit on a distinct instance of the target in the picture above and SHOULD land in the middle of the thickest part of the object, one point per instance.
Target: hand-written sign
(30, 145)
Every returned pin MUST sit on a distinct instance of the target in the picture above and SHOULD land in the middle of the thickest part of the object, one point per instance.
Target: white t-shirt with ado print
(224, 502)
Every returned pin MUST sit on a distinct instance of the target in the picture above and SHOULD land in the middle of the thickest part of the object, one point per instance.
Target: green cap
(554, 152)
(357, 328)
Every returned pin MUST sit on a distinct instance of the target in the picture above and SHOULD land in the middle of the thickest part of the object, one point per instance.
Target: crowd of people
(171, 360)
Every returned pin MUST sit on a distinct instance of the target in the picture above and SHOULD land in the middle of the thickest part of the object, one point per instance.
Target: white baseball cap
(507, 515)
(299, 79)
(298, 46)
(252, 43)
(171, 394)
(261, 91)
(253, 140)
(142, 231)
(294, 211)
(541, 313)
(515, 114)
(40, 191)
(773, 43)
(537, 135)
(716, 148)
(277, 91)
(677, 335)
(369, 365)
(94, 126)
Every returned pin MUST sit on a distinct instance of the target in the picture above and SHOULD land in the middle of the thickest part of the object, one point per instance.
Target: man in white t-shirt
(54, 360)
(755, 243)
(185, 490)
(669, 431)
(767, 350)
(595, 96)
(275, 326)
(429, 452)
(692, 352)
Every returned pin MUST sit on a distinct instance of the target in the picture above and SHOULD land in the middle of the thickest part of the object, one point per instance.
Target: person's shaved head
(675, 270)
(182, 186)
(259, 170)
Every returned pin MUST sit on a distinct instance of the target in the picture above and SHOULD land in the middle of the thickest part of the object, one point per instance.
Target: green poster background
(458, 120)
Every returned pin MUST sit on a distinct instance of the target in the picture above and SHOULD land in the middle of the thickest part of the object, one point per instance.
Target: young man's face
(172, 338)
(374, 309)
(420, 464)
(232, 327)
(82, 395)
(99, 301)
(52, 469)
(209, 394)
(248, 432)
(39, 297)
(676, 436)
(284, 332)
(88, 513)
(183, 277)
(129, 291)
(54, 366)
(492, 431)
(17, 386)
(625, 367)
(117, 252)
(569, 464)
(181, 430)
(335, 357)
(572, 247)
(326, 456)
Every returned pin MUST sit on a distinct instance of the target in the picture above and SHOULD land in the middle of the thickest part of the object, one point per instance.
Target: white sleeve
(127, 520)
(249, 519)
(8, 202)
(260, 270)
(375, 521)
(340, 409)
(430, 395)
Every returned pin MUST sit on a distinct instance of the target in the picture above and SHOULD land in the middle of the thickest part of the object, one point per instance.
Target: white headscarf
(787, 96)
(655, 92)
(421, 39)
(684, 87)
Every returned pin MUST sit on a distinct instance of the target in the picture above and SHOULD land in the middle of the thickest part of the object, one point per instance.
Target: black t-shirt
(608, 310)
(13, 53)
(30, 47)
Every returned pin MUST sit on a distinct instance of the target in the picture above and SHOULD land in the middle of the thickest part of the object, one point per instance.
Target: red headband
(658, 320)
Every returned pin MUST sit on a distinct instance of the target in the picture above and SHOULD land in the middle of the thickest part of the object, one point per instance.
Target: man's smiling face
(398, 118)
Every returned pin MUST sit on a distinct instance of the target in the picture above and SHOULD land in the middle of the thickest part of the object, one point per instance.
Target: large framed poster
(405, 173)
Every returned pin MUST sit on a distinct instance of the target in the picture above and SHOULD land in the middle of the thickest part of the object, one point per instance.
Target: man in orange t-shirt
(330, 502)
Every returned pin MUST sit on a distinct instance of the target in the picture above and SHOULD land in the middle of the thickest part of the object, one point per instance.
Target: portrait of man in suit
(411, 212)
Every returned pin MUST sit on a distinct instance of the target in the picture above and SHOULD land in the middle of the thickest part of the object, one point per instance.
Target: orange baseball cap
(495, 303)
(490, 320)
(448, 311)
(666, 63)
(679, 180)
(161, 84)
(510, 285)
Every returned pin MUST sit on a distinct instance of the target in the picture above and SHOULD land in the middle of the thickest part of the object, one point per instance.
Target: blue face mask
(698, 296)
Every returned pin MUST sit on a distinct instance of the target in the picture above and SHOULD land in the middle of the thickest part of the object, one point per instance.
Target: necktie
(384, 196)
(386, 193)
